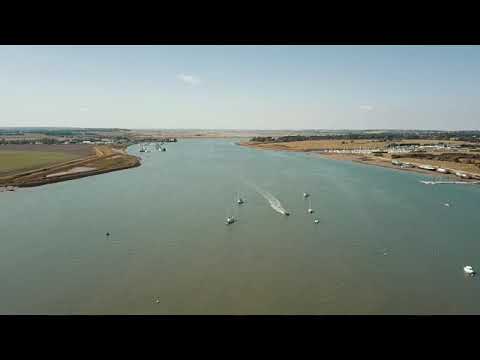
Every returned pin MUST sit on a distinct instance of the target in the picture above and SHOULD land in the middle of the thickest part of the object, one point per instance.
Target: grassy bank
(12, 162)
(61, 166)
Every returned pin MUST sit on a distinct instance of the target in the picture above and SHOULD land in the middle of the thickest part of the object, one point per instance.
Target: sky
(241, 87)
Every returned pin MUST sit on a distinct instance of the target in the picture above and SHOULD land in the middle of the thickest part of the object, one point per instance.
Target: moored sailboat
(239, 199)
(310, 210)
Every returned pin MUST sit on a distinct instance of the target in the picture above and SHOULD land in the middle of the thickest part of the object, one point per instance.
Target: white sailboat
(310, 210)
(239, 199)
(230, 219)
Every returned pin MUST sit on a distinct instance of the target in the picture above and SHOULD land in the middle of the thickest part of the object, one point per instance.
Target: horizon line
(237, 129)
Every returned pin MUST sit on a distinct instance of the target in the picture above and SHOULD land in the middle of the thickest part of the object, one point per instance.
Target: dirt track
(105, 159)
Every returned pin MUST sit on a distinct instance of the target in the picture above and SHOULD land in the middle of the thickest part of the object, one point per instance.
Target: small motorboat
(305, 195)
(230, 220)
(108, 234)
(286, 213)
(316, 221)
(447, 204)
(468, 270)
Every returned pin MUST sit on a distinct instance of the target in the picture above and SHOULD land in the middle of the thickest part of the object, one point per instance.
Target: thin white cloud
(189, 79)
(366, 107)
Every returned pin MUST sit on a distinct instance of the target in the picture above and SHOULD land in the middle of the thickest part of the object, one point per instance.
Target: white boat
(239, 199)
(468, 270)
(305, 195)
(427, 167)
(230, 219)
(462, 175)
(447, 204)
(310, 210)
(316, 221)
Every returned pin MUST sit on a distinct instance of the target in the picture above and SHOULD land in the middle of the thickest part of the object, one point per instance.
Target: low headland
(38, 156)
(88, 160)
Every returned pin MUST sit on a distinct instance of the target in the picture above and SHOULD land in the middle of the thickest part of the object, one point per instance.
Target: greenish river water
(385, 243)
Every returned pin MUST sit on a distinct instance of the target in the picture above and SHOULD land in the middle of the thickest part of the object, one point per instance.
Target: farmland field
(13, 161)
(19, 158)
(33, 165)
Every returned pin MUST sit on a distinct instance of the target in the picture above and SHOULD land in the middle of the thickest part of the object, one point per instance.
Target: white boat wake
(275, 204)
(426, 182)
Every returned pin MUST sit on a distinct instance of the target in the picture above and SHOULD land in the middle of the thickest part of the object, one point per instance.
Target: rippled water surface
(385, 243)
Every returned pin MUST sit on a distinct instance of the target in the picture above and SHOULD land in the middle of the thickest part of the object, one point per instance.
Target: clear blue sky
(241, 87)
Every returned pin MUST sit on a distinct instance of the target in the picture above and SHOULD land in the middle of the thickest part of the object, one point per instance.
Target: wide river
(385, 243)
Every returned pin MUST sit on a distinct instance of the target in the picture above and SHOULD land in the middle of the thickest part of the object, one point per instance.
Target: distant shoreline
(356, 158)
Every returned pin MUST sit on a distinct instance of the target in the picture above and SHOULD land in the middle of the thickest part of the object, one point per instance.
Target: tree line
(470, 136)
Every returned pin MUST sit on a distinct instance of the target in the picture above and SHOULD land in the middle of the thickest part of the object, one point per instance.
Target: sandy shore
(357, 158)
(386, 163)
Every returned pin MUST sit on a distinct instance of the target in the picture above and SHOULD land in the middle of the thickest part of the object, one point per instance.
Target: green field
(17, 161)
